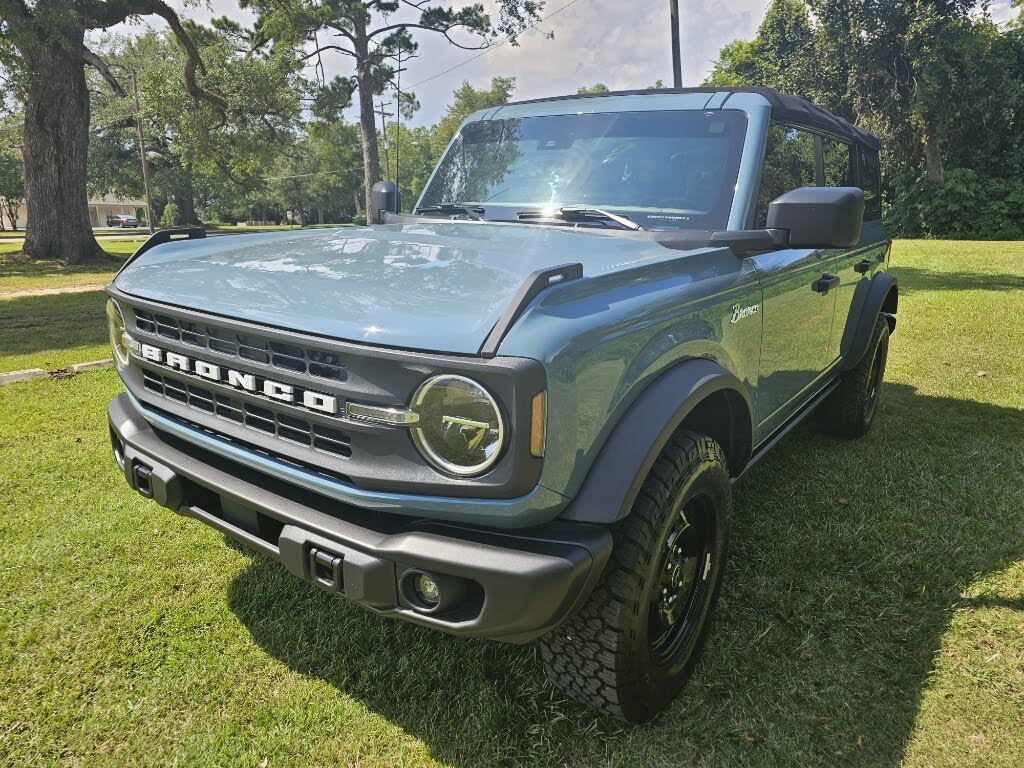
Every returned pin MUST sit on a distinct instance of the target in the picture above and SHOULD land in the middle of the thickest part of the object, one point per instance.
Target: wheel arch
(879, 295)
(698, 395)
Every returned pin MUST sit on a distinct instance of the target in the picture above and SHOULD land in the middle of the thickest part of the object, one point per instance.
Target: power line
(488, 49)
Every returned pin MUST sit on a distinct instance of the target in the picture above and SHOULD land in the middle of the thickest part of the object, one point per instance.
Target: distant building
(99, 209)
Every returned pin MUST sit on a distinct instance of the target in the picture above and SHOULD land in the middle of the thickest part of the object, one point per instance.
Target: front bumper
(512, 586)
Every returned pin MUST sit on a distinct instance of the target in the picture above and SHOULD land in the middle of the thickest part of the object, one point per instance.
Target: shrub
(967, 206)
(169, 218)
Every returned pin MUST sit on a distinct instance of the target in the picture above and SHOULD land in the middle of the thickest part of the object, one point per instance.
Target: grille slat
(280, 425)
(286, 357)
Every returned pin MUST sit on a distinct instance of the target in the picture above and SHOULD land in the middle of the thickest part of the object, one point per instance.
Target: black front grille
(244, 346)
(255, 417)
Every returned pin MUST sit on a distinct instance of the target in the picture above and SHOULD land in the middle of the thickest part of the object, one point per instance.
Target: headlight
(460, 429)
(115, 325)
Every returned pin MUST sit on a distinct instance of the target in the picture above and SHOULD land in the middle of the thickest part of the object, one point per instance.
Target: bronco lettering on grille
(316, 401)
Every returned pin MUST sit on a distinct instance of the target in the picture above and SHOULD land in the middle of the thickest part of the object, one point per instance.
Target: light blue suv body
(628, 335)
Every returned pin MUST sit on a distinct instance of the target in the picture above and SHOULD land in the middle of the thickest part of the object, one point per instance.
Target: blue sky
(622, 44)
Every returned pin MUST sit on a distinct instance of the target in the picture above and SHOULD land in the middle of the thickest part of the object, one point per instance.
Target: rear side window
(838, 163)
(789, 163)
(871, 183)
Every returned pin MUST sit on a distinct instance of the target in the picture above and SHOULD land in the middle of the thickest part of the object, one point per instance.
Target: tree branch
(107, 14)
(194, 60)
(100, 66)
(323, 48)
(446, 31)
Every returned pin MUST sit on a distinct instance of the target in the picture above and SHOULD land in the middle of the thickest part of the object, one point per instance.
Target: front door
(799, 287)
(799, 291)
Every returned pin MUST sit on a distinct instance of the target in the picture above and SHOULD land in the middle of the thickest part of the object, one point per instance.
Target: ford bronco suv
(517, 412)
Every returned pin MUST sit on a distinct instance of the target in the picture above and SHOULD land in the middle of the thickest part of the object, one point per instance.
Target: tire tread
(583, 657)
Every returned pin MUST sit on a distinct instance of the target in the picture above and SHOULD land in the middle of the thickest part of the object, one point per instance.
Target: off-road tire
(601, 656)
(850, 410)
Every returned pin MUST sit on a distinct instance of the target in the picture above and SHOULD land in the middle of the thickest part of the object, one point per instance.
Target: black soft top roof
(785, 108)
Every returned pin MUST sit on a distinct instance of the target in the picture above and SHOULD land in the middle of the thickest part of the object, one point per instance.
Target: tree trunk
(933, 160)
(367, 118)
(187, 204)
(56, 141)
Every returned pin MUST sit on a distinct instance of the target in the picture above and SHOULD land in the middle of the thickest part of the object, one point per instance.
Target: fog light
(427, 590)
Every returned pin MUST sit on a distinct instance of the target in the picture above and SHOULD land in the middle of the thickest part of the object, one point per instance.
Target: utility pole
(677, 63)
(398, 117)
(384, 128)
(142, 155)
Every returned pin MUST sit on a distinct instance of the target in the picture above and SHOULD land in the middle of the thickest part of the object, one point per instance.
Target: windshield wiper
(452, 208)
(572, 213)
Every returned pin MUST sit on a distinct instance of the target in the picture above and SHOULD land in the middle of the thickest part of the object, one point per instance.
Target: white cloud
(621, 44)
(1002, 11)
(624, 45)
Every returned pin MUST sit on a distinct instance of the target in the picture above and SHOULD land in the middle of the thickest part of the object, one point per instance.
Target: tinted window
(789, 163)
(838, 168)
(871, 183)
(661, 169)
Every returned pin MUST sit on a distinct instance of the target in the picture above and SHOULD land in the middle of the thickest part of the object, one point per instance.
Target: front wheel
(632, 646)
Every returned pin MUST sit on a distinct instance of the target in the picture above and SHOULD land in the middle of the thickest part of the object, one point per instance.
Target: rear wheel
(630, 649)
(850, 410)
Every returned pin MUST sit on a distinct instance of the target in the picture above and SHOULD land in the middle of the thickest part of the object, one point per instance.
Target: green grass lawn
(872, 613)
(53, 331)
(19, 275)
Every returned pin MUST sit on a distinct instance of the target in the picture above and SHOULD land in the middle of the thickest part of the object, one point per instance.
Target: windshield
(660, 169)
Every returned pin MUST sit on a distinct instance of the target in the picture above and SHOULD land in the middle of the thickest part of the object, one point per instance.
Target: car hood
(438, 286)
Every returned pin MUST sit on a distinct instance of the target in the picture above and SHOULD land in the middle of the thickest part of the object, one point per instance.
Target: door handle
(825, 284)
(863, 266)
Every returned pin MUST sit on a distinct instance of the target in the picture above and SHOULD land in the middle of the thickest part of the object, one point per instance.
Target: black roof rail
(535, 284)
(165, 236)
(785, 107)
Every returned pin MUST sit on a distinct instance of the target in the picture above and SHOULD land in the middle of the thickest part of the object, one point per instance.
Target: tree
(376, 35)
(780, 56)
(595, 88)
(939, 82)
(43, 45)
(411, 160)
(12, 179)
(198, 156)
(465, 101)
(12, 187)
(329, 161)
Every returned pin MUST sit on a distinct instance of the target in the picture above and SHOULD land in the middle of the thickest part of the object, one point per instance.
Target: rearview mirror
(385, 199)
(819, 217)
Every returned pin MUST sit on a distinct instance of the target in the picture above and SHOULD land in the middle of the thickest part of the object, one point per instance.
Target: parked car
(519, 412)
(122, 220)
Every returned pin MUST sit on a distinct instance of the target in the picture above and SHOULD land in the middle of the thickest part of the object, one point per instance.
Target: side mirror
(819, 217)
(386, 199)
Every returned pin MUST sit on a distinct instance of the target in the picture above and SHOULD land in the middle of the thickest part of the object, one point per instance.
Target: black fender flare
(642, 431)
(869, 300)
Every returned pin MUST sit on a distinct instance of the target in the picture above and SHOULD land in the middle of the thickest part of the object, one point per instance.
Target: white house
(99, 209)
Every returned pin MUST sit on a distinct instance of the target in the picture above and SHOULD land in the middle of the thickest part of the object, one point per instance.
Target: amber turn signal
(538, 424)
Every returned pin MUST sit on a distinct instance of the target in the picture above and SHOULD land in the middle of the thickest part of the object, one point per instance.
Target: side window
(871, 183)
(789, 163)
(838, 166)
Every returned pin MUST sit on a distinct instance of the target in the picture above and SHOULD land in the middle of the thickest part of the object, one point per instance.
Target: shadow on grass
(15, 266)
(913, 279)
(847, 558)
(32, 324)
